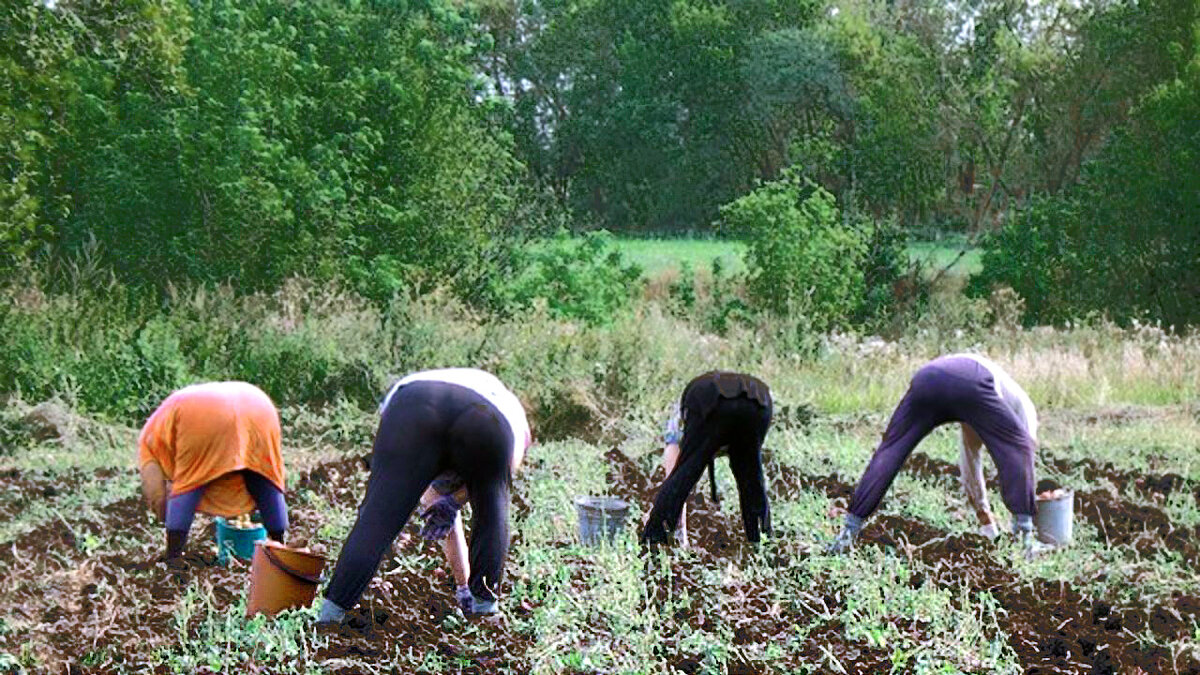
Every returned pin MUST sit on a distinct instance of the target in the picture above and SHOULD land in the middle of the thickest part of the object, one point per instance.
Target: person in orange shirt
(215, 448)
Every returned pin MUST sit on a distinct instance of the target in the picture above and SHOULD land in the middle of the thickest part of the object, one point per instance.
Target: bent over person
(994, 411)
(718, 412)
(214, 448)
(456, 435)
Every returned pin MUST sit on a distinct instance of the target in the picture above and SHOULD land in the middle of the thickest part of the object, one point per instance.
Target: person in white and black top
(445, 437)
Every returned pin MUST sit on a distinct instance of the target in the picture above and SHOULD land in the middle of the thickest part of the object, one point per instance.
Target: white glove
(990, 531)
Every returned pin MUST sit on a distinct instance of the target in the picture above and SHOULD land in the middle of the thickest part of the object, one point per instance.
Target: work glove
(465, 600)
(439, 518)
(990, 531)
(846, 538)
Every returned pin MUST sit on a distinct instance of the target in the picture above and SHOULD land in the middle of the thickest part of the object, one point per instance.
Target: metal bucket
(1055, 518)
(600, 518)
(282, 578)
(238, 541)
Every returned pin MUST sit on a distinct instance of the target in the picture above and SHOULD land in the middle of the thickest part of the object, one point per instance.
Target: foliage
(582, 278)
(802, 257)
(247, 142)
(1126, 241)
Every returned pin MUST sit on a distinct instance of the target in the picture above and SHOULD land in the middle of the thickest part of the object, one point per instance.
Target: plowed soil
(1051, 626)
(78, 602)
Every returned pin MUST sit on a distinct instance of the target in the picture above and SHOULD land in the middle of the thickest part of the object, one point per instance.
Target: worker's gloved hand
(990, 531)
(439, 518)
(462, 595)
(849, 534)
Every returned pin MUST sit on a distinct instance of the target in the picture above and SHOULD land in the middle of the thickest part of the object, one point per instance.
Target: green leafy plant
(583, 278)
(801, 257)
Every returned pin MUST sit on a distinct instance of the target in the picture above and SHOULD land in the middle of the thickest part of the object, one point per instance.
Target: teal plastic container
(237, 541)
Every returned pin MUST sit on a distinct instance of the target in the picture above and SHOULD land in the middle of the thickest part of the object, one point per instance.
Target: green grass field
(656, 256)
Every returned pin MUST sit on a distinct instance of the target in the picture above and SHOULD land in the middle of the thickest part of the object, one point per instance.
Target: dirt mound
(76, 600)
(20, 489)
(1051, 626)
(1145, 528)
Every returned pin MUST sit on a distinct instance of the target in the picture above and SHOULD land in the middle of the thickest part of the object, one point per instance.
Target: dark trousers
(953, 389)
(740, 424)
(428, 428)
(181, 508)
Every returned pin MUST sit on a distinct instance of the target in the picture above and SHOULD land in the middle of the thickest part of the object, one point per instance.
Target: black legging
(741, 424)
(427, 428)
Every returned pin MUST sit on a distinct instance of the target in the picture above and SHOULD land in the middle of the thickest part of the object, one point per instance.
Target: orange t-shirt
(203, 434)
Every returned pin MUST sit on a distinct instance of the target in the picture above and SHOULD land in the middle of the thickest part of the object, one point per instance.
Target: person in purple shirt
(994, 411)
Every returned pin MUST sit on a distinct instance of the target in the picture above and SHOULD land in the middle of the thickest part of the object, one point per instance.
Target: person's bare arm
(670, 459)
(970, 464)
(454, 546)
(155, 488)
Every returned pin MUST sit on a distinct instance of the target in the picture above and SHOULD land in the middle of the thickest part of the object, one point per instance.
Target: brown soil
(75, 600)
(79, 602)
(1146, 528)
(19, 489)
(1051, 626)
(749, 611)
(1153, 487)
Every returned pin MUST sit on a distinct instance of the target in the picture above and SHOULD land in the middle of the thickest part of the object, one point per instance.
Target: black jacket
(701, 395)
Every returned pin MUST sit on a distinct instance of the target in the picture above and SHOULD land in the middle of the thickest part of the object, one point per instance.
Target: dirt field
(79, 597)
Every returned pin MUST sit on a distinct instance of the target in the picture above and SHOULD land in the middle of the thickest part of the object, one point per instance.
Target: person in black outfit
(435, 424)
(719, 411)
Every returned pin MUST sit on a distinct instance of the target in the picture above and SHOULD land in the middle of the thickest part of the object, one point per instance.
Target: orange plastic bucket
(282, 578)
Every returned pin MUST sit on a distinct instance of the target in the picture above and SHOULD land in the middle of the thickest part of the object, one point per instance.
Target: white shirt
(486, 385)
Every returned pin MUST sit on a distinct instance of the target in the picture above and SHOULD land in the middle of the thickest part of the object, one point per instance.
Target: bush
(583, 278)
(1033, 256)
(801, 257)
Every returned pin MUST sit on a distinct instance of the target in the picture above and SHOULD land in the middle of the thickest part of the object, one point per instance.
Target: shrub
(801, 257)
(583, 278)
(1125, 242)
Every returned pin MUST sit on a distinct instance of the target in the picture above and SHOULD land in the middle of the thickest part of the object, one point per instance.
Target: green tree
(1125, 242)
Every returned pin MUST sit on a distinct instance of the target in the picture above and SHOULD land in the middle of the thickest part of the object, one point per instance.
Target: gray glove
(439, 518)
(846, 538)
(462, 595)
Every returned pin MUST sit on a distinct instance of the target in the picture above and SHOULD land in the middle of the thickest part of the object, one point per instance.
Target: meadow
(667, 255)
(82, 592)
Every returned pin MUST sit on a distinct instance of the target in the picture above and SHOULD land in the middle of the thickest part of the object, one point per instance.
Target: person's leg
(918, 414)
(270, 502)
(481, 451)
(1011, 448)
(181, 510)
(696, 449)
(745, 460)
(405, 458)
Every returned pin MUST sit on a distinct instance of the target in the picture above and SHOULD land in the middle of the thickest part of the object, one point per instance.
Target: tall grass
(110, 353)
